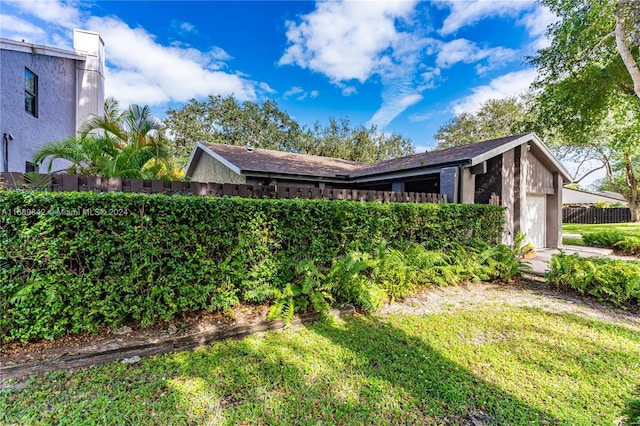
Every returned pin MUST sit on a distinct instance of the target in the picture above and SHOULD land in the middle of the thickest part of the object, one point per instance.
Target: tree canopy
(263, 125)
(589, 83)
(495, 118)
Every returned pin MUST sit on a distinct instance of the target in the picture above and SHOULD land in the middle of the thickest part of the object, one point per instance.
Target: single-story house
(579, 198)
(519, 169)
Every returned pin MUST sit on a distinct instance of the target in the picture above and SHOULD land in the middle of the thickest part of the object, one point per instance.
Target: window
(30, 92)
(30, 167)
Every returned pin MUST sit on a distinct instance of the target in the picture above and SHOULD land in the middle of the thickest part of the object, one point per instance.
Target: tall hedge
(79, 261)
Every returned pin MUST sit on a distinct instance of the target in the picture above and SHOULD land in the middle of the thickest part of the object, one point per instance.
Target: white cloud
(349, 90)
(345, 40)
(512, 84)
(465, 13)
(50, 11)
(144, 72)
(352, 40)
(392, 107)
(537, 23)
(300, 94)
(21, 29)
(468, 52)
(264, 87)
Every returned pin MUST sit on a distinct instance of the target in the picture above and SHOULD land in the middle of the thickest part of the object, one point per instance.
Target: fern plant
(351, 280)
(310, 290)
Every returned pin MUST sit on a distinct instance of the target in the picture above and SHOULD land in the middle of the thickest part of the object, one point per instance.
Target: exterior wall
(508, 196)
(208, 169)
(56, 104)
(90, 75)
(449, 183)
(62, 100)
(539, 179)
(554, 213)
(489, 182)
(468, 186)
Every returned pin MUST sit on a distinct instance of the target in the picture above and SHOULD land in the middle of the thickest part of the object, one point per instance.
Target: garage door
(536, 226)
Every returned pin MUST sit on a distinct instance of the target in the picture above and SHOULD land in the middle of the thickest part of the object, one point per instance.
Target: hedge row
(80, 261)
(609, 280)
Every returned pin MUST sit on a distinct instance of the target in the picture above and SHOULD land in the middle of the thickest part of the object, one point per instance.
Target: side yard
(476, 354)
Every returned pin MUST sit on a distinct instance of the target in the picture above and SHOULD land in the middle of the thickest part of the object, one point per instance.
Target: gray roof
(280, 162)
(262, 161)
(430, 159)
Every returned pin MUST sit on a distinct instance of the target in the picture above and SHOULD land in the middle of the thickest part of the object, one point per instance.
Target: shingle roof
(458, 154)
(288, 163)
(279, 162)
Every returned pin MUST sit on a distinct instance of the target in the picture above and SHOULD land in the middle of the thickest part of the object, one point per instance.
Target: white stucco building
(46, 93)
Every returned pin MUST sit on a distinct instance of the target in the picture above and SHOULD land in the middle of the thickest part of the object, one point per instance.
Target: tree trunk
(624, 50)
(634, 206)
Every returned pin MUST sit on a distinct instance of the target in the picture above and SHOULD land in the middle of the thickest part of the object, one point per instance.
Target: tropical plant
(127, 144)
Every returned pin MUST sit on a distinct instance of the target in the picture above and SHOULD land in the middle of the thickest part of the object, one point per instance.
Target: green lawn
(496, 364)
(579, 228)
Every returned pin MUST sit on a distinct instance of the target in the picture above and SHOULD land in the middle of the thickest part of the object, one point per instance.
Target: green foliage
(496, 118)
(632, 409)
(224, 120)
(81, 261)
(129, 144)
(628, 244)
(603, 238)
(609, 280)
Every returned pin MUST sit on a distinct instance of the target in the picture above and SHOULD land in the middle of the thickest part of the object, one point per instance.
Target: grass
(580, 228)
(495, 364)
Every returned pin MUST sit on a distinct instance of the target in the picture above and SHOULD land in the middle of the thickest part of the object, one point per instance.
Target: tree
(127, 144)
(496, 118)
(589, 83)
(223, 120)
(340, 140)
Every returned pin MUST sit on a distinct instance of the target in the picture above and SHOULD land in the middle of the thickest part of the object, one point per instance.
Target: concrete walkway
(540, 263)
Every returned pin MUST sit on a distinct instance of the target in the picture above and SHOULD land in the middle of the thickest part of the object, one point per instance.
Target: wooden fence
(65, 183)
(596, 215)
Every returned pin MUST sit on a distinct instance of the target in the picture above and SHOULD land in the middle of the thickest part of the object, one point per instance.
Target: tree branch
(625, 51)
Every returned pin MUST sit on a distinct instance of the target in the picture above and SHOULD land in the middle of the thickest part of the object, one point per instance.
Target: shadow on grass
(358, 371)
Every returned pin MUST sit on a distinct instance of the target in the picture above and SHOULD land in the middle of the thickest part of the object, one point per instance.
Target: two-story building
(46, 94)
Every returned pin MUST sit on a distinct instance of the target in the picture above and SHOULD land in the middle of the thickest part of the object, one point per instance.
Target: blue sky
(405, 66)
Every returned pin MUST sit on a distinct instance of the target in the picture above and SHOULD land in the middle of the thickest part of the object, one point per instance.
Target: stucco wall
(56, 103)
(209, 169)
(70, 89)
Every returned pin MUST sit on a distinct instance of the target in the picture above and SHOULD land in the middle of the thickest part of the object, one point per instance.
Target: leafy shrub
(80, 261)
(632, 409)
(609, 280)
(629, 245)
(368, 280)
(602, 238)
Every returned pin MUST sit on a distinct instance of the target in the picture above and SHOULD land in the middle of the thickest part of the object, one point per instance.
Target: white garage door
(536, 226)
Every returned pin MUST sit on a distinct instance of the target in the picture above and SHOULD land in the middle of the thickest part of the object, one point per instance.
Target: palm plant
(127, 144)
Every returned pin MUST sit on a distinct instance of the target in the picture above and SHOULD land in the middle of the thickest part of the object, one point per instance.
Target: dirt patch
(526, 292)
(16, 353)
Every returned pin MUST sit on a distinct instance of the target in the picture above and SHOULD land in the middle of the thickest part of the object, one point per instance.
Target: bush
(629, 245)
(602, 238)
(608, 280)
(632, 409)
(80, 261)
